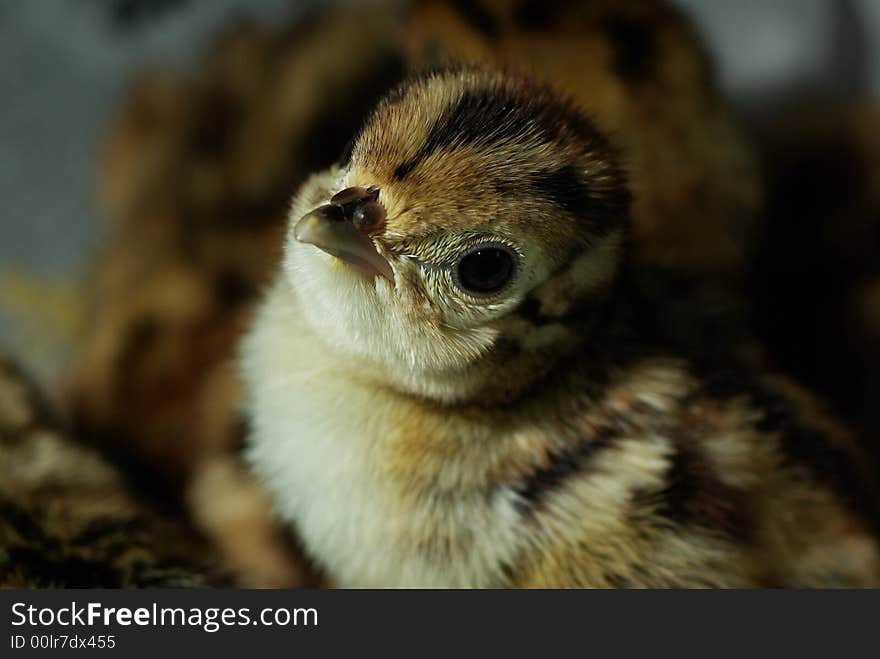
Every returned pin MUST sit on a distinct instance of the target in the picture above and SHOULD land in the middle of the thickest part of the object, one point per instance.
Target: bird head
(459, 250)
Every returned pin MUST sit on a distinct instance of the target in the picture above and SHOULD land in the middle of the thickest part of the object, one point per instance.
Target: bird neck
(534, 353)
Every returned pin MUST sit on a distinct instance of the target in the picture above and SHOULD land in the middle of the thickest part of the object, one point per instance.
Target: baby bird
(451, 382)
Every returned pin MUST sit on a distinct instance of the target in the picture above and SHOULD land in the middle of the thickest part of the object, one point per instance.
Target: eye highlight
(485, 269)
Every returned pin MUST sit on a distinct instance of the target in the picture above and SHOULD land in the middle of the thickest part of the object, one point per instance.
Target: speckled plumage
(196, 178)
(543, 436)
(68, 518)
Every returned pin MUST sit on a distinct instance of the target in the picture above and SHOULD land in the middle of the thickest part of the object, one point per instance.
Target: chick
(197, 172)
(452, 382)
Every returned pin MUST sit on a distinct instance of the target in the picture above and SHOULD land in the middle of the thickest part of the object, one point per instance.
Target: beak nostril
(361, 207)
(369, 217)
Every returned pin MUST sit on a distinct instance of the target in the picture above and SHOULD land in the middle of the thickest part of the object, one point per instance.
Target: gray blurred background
(64, 65)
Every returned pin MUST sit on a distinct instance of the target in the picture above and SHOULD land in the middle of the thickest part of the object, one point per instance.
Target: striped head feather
(496, 212)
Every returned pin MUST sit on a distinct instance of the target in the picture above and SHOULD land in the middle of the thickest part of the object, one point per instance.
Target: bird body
(452, 384)
(507, 344)
(652, 480)
(197, 174)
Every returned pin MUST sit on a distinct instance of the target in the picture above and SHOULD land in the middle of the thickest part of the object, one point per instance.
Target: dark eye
(485, 269)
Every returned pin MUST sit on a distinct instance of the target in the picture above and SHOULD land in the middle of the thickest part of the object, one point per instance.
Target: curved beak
(328, 230)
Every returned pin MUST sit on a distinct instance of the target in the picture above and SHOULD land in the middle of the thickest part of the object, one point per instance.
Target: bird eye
(485, 269)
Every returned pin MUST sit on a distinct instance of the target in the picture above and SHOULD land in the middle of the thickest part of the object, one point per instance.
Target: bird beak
(328, 230)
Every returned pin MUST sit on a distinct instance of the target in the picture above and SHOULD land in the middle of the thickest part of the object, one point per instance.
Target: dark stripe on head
(482, 117)
(496, 114)
(567, 189)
